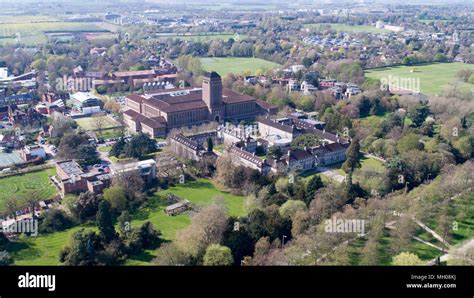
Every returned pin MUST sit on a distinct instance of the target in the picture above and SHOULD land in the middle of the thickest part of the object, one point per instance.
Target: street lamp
(283, 241)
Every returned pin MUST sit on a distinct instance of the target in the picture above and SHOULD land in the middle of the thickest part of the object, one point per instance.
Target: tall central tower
(212, 94)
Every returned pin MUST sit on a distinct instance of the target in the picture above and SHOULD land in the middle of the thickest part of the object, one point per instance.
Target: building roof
(156, 122)
(265, 105)
(83, 96)
(186, 142)
(277, 125)
(230, 97)
(70, 168)
(212, 75)
(296, 155)
(121, 74)
(326, 135)
(240, 152)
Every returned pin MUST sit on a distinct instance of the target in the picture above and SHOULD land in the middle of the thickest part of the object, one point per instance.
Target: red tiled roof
(229, 97)
(134, 73)
(136, 98)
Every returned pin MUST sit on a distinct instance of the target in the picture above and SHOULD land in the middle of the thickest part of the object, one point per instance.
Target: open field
(346, 28)
(44, 250)
(22, 186)
(90, 123)
(32, 33)
(433, 77)
(235, 65)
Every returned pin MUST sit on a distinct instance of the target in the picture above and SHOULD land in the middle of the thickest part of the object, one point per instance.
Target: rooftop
(70, 168)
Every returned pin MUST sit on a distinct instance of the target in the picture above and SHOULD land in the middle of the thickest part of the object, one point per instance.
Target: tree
(275, 152)
(98, 123)
(407, 259)
(207, 227)
(210, 145)
(409, 142)
(117, 198)
(132, 183)
(105, 222)
(218, 255)
(69, 143)
(144, 237)
(305, 141)
(307, 62)
(418, 114)
(268, 223)
(471, 79)
(81, 250)
(314, 184)
(170, 255)
(124, 223)
(11, 205)
(138, 146)
(5, 258)
(86, 205)
(54, 220)
(353, 161)
(290, 208)
(238, 239)
(461, 256)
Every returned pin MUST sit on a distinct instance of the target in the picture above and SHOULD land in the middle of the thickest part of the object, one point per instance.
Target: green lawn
(44, 250)
(237, 65)
(22, 186)
(433, 77)
(105, 149)
(30, 32)
(201, 192)
(41, 250)
(92, 123)
(346, 28)
(371, 163)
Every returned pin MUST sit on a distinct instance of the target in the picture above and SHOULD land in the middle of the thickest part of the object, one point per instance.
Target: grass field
(22, 186)
(235, 65)
(433, 77)
(30, 32)
(346, 28)
(44, 250)
(90, 123)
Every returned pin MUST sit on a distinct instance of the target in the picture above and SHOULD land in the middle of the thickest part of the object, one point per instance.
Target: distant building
(269, 127)
(187, 148)
(32, 152)
(247, 159)
(298, 160)
(86, 102)
(191, 106)
(71, 179)
(394, 28)
(145, 168)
